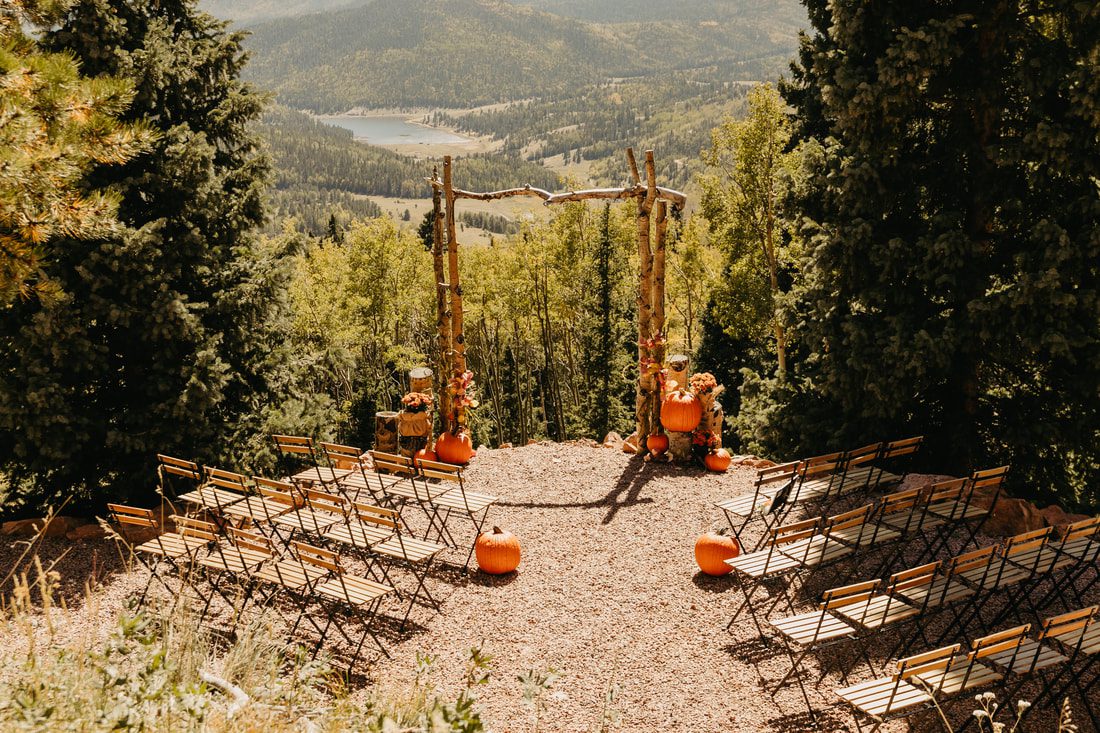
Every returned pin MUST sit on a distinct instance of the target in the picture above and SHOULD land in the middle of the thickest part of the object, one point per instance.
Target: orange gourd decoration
(712, 550)
(424, 454)
(497, 551)
(718, 461)
(456, 449)
(681, 412)
(657, 443)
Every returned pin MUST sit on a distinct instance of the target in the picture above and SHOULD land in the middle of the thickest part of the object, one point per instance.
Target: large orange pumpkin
(657, 443)
(456, 449)
(497, 551)
(681, 412)
(718, 461)
(424, 454)
(712, 550)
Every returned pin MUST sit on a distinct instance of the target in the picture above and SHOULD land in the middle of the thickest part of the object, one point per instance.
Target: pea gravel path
(607, 594)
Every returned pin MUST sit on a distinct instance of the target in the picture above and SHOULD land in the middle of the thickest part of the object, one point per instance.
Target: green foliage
(56, 126)
(952, 276)
(164, 335)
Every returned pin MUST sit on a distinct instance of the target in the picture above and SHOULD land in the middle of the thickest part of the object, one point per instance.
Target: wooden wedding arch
(652, 226)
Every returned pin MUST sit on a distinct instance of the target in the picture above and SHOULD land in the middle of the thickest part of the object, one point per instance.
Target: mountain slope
(430, 53)
(464, 53)
(245, 12)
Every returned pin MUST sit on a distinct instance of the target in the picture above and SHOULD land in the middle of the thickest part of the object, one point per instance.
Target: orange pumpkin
(718, 461)
(497, 551)
(424, 454)
(657, 443)
(456, 449)
(712, 550)
(681, 412)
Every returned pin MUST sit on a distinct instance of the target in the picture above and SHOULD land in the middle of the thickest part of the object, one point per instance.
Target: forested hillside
(462, 53)
(250, 11)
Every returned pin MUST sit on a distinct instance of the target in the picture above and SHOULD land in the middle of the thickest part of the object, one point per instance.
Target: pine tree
(56, 126)
(162, 338)
(953, 280)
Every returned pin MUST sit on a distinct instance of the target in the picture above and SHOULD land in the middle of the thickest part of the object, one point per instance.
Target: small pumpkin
(718, 461)
(497, 551)
(424, 454)
(657, 443)
(456, 449)
(681, 412)
(712, 550)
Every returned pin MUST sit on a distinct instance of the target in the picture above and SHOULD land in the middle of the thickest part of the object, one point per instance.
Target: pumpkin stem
(497, 530)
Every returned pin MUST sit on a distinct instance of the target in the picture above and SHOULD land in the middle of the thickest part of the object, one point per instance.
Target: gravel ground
(607, 594)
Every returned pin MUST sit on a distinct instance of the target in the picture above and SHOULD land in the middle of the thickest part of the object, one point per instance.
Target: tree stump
(385, 431)
(678, 370)
(420, 380)
(713, 415)
(679, 446)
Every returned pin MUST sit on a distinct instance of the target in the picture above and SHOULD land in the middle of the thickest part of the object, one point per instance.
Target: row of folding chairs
(962, 586)
(240, 566)
(393, 480)
(790, 552)
(1063, 653)
(817, 480)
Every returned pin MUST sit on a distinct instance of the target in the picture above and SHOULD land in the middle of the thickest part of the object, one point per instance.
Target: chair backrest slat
(784, 472)
(863, 455)
(132, 515)
(794, 532)
(376, 515)
(914, 577)
(337, 452)
(189, 527)
(1000, 642)
(294, 444)
(226, 479)
(849, 594)
(1082, 529)
(1067, 623)
(926, 662)
(904, 447)
(847, 520)
(318, 557)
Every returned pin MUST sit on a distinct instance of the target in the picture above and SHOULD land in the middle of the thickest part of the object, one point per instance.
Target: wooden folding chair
(881, 609)
(320, 512)
(359, 479)
(178, 549)
(303, 462)
(962, 509)
(459, 501)
(176, 475)
(219, 491)
(1019, 567)
(366, 526)
(1074, 555)
(236, 560)
(741, 510)
(753, 569)
(287, 575)
(415, 555)
(1019, 657)
(859, 469)
(809, 632)
(1077, 635)
(360, 597)
(899, 695)
(891, 458)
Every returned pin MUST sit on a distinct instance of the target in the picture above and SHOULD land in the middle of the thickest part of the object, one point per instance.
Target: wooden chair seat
(453, 499)
(423, 492)
(941, 591)
(747, 504)
(353, 590)
(306, 520)
(815, 550)
(256, 507)
(864, 535)
(958, 511)
(1082, 549)
(813, 628)
(358, 534)
(1030, 657)
(322, 475)
(212, 498)
(408, 549)
(876, 612)
(172, 545)
(762, 563)
(884, 697)
(290, 574)
(234, 560)
(915, 521)
(1090, 643)
(371, 482)
(961, 676)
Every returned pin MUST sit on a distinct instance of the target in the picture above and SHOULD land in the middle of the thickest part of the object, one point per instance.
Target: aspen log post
(420, 380)
(714, 416)
(658, 296)
(679, 444)
(443, 312)
(385, 432)
(458, 340)
(647, 383)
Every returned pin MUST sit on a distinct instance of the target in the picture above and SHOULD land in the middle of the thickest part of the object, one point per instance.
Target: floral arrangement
(703, 383)
(462, 387)
(705, 439)
(417, 402)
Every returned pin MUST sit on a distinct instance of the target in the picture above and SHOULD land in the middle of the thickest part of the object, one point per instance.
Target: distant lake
(395, 130)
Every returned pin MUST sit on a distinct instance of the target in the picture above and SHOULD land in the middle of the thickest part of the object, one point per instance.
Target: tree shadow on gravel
(827, 719)
(625, 493)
